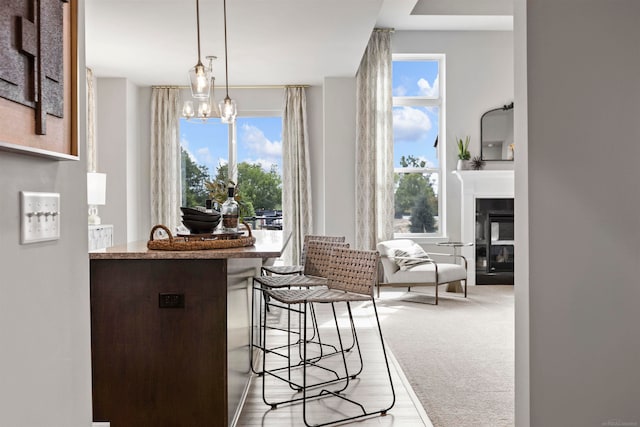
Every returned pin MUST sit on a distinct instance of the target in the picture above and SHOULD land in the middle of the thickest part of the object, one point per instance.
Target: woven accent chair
(427, 272)
(299, 269)
(316, 272)
(352, 279)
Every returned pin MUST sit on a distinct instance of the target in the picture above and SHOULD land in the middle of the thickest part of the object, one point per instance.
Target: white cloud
(399, 91)
(428, 163)
(204, 156)
(185, 145)
(265, 164)
(427, 89)
(410, 124)
(435, 182)
(259, 144)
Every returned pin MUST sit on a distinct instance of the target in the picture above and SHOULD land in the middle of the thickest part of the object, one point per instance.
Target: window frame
(425, 101)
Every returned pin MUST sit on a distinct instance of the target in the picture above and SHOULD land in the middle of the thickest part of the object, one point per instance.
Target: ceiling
(270, 42)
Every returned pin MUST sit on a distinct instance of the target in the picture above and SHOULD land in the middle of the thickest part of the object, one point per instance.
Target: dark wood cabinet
(170, 332)
(158, 342)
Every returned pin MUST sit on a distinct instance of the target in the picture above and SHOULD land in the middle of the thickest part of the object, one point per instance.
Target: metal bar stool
(317, 259)
(352, 279)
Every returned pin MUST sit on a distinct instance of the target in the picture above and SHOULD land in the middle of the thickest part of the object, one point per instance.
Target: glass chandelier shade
(200, 78)
(187, 110)
(228, 110)
(204, 109)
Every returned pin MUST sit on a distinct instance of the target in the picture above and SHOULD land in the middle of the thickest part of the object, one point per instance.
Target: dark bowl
(200, 227)
(196, 212)
(203, 218)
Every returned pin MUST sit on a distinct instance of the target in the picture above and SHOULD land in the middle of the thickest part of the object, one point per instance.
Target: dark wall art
(38, 77)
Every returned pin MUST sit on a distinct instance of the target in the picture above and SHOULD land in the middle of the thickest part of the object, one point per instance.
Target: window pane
(416, 78)
(205, 148)
(416, 203)
(415, 130)
(260, 142)
(259, 146)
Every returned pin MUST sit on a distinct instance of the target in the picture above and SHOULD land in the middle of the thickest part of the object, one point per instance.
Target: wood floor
(371, 388)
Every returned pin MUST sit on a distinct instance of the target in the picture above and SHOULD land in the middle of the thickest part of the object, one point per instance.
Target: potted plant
(463, 153)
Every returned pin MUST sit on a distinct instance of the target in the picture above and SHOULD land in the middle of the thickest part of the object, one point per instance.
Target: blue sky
(415, 128)
(259, 140)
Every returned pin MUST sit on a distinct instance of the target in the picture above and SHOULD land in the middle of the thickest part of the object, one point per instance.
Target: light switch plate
(39, 216)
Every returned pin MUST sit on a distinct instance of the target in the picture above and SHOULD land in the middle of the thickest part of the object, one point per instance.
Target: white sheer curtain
(92, 163)
(296, 182)
(165, 157)
(374, 143)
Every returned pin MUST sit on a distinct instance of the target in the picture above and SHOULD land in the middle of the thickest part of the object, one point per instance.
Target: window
(254, 156)
(418, 126)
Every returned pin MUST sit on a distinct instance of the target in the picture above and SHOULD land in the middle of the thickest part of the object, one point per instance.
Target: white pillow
(415, 251)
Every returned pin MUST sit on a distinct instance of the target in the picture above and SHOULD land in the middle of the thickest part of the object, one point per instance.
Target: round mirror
(496, 134)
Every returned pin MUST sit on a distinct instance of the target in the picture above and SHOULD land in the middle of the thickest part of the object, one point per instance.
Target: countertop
(269, 244)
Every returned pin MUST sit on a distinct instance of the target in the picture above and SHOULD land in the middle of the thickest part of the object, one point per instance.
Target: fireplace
(494, 242)
(476, 186)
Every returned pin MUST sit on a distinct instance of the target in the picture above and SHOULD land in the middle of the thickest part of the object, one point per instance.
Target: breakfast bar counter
(170, 332)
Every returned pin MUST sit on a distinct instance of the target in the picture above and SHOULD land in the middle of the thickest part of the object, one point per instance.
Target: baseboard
(412, 395)
(243, 398)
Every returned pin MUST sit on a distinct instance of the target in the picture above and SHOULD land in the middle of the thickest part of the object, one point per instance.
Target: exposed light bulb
(228, 110)
(204, 110)
(201, 78)
(200, 85)
(187, 110)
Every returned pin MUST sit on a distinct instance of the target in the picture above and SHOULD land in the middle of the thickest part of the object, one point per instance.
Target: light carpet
(459, 355)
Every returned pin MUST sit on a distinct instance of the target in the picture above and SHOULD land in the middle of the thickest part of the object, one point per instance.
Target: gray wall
(45, 372)
(479, 77)
(521, 218)
(584, 257)
(338, 171)
(123, 147)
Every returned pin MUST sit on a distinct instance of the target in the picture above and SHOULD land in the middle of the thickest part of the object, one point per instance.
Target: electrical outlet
(39, 216)
(171, 300)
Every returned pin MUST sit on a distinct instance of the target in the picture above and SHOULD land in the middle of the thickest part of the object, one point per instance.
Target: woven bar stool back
(353, 271)
(318, 257)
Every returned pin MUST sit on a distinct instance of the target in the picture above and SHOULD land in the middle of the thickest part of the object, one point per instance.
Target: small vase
(462, 165)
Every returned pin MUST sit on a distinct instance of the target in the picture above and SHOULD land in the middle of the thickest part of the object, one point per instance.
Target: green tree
(412, 162)
(410, 187)
(256, 187)
(422, 216)
(194, 177)
(415, 196)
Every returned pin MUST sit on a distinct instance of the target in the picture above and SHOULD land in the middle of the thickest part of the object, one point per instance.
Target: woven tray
(194, 244)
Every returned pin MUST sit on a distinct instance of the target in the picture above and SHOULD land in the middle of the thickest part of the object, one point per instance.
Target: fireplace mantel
(485, 184)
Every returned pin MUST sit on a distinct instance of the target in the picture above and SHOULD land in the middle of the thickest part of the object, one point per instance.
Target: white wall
(45, 353)
(583, 65)
(338, 171)
(123, 144)
(479, 77)
(111, 149)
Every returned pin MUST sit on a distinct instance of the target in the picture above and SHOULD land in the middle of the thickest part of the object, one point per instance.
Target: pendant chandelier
(201, 79)
(199, 75)
(228, 109)
(202, 108)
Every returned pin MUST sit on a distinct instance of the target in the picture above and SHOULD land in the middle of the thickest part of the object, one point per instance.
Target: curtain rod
(233, 87)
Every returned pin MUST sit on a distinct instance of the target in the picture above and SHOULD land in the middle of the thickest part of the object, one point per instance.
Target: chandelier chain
(226, 56)
(198, 26)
